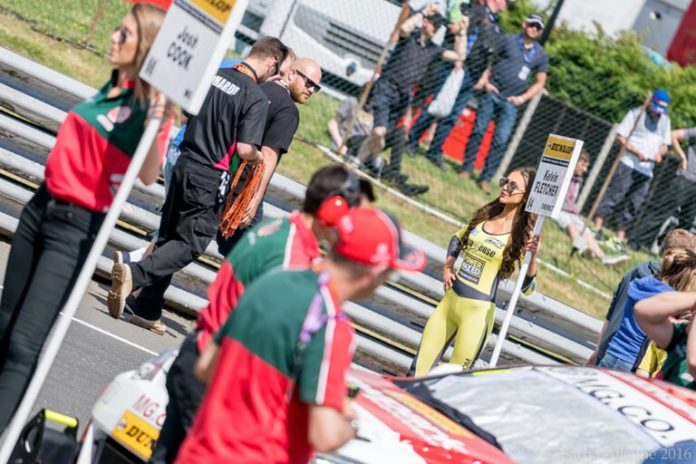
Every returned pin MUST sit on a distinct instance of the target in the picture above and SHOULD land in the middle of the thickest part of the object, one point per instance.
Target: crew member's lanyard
(246, 69)
(528, 54)
(313, 322)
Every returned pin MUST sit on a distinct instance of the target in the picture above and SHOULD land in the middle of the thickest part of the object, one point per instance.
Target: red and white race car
(559, 414)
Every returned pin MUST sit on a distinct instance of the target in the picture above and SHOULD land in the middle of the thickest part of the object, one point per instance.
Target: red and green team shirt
(94, 146)
(287, 243)
(245, 416)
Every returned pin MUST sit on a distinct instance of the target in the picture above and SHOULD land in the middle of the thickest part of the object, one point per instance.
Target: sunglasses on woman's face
(123, 34)
(309, 83)
(509, 185)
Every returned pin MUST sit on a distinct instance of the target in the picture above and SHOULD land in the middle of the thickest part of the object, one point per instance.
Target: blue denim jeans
(173, 154)
(490, 105)
(612, 362)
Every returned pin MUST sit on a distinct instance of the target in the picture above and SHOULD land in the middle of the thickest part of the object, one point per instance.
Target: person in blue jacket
(677, 273)
(678, 238)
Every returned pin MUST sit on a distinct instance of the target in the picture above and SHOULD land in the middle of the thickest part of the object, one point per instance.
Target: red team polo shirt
(256, 407)
(286, 242)
(94, 147)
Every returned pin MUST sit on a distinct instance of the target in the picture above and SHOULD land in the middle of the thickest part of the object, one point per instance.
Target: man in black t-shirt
(298, 84)
(506, 82)
(407, 63)
(230, 121)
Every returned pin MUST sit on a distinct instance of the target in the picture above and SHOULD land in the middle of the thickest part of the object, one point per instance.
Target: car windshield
(538, 418)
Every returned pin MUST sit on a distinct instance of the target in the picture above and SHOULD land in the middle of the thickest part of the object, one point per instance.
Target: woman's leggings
(469, 322)
(49, 247)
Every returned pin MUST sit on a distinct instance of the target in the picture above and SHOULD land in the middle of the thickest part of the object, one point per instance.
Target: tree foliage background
(607, 75)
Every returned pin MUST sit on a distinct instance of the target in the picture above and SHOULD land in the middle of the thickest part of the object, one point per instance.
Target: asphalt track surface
(96, 349)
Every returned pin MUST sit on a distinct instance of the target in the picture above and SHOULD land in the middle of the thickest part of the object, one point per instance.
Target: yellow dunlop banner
(217, 9)
(136, 434)
(559, 148)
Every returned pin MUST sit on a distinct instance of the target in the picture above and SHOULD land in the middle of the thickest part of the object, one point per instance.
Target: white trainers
(613, 260)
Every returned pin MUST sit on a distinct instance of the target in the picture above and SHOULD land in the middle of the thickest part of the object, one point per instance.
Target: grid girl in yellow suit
(493, 242)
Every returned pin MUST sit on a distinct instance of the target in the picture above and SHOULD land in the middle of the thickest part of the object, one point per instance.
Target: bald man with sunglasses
(299, 81)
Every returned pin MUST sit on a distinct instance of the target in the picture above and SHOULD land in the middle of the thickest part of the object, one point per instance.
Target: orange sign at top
(218, 9)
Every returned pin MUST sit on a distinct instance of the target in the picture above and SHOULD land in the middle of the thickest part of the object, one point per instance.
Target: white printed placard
(553, 176)
(189, 48)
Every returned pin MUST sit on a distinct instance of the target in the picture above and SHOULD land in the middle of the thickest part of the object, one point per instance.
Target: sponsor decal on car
(663, 424)
(136, 434)
(416, 422)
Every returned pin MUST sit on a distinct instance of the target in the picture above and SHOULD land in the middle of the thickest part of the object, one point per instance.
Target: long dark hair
(522, 226)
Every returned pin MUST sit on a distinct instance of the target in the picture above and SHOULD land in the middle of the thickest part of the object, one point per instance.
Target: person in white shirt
(645, 136)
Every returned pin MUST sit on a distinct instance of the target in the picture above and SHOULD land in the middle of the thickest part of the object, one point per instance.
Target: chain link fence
(433, 108)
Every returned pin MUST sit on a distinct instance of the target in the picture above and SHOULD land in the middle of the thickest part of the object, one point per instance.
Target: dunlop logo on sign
(217, 9)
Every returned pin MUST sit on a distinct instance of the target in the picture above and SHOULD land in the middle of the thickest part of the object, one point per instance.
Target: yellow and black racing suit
(467, 310)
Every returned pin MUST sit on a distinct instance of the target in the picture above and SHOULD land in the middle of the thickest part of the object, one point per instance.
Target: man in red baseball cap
(276, 371)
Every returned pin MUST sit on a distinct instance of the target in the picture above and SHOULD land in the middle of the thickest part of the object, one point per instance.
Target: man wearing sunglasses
(506, 85)
(298, 82)
(231, 121)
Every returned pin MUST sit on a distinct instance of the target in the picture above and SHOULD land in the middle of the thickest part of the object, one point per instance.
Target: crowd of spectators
(450, 56)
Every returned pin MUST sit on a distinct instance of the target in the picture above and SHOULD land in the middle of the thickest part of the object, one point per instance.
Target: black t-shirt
(514, 65)
(283, 117)
(281, 123)
(409, 60)
(234, 110)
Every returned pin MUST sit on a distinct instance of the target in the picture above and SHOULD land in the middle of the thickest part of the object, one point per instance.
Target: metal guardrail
(37, 97)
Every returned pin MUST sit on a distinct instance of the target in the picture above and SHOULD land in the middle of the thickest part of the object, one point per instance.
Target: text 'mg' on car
(560, 414)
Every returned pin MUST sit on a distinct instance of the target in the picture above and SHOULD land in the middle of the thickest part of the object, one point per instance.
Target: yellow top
(653, 359)
(477, 276)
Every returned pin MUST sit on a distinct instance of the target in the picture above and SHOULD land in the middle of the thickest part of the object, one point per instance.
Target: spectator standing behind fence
(676, 239)
(297, 85)
(482, 37)
(627, 346)
(491, 245)
(570, 220)
(680, 196)
(276, 371)
(406, 65)
(656, 316)
(337, 126)
(231, 121)
(506, 84)
(412, 7)
(645, 136)
(58, 226)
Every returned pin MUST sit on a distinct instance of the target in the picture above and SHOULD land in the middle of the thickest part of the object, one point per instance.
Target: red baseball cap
(371, 236)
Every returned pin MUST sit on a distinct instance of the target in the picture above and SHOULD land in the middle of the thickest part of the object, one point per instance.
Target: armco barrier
(394, 315)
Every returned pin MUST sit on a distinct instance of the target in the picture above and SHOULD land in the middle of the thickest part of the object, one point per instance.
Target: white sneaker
(613, 260)
(580, 245)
